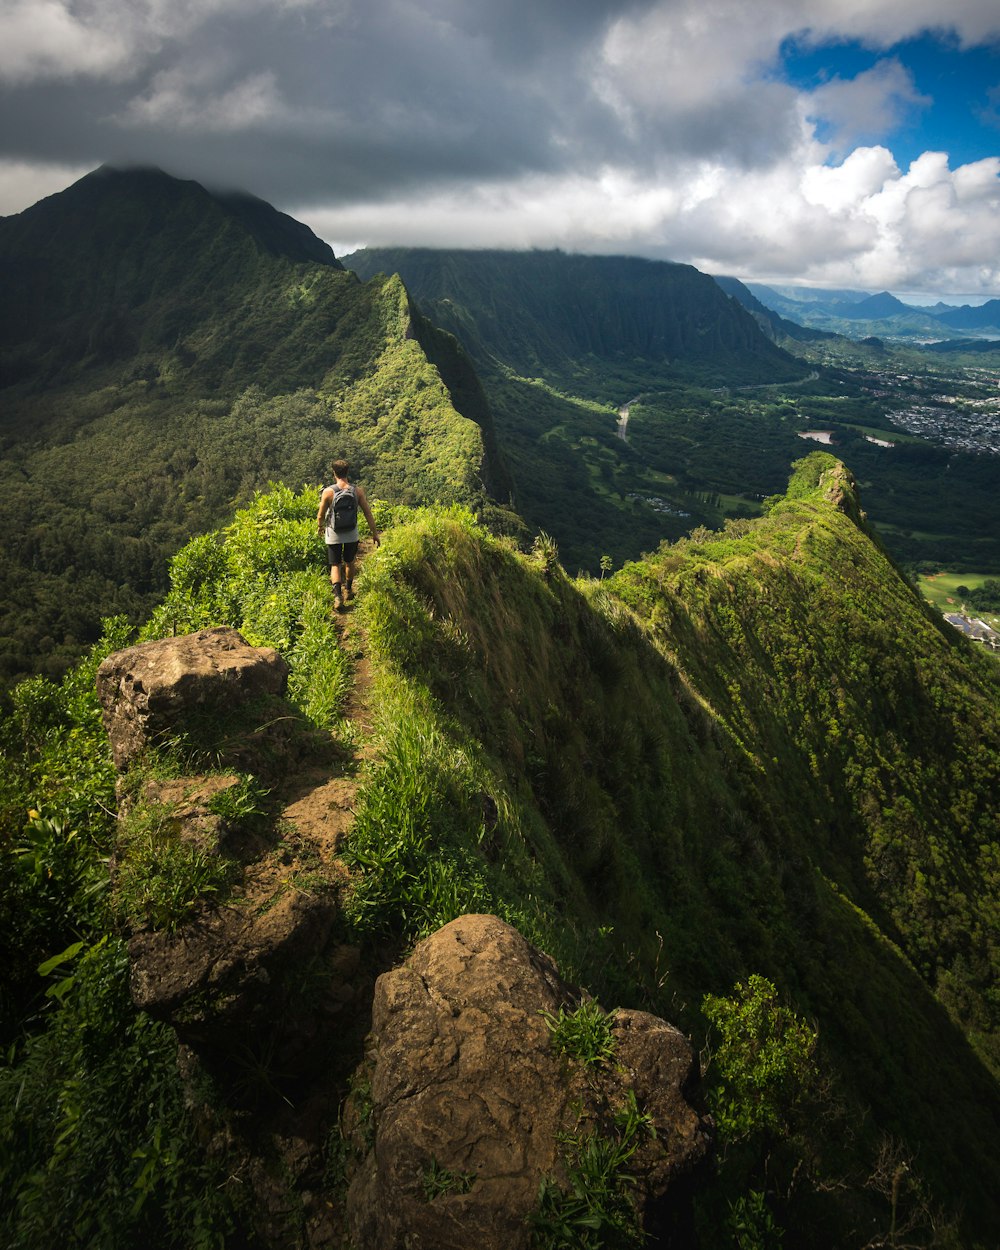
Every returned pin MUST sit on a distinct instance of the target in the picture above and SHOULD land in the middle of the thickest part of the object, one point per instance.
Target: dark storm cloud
(661, 127)
(325, 104)
(365, 100)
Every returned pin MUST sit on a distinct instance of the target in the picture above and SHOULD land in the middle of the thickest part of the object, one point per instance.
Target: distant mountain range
(857, 314)
(774, 325)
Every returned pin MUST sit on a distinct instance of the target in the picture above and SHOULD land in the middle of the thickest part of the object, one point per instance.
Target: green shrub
(160, 878)
(751, 1225)
(762, 1063)
(583, 1034)
(437, 1180)
(97, 1147)
(243, 805)
(596, 1209)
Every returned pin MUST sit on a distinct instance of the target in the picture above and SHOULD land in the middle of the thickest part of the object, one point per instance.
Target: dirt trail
(320, 802)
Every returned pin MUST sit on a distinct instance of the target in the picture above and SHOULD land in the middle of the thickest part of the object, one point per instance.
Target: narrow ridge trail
(320, 800)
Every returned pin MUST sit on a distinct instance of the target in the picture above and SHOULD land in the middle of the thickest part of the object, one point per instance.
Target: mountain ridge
(882, 313)
(537, 309)
(164, 352)
(754, 753)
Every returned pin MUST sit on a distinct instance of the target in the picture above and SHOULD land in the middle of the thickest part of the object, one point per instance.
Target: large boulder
(149, 691)
(464, 1108)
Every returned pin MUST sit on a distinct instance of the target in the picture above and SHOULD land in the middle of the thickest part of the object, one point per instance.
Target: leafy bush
(97, 1147)
(57, 807)
(762, 1063)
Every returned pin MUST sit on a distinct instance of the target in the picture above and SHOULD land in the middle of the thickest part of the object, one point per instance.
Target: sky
(833, 143)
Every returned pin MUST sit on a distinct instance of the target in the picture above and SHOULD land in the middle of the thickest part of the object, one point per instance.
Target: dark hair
(340, 468)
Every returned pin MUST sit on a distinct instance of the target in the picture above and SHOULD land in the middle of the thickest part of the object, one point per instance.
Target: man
(337, 518)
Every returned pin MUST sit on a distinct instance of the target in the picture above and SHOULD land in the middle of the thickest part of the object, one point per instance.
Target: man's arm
(324, 504)
(363, 501)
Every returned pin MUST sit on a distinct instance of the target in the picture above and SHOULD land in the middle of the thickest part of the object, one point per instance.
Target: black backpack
(344, 510)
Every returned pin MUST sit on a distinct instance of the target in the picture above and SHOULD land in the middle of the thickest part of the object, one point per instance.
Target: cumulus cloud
(864, 223)
(662, 127)
(871, 104)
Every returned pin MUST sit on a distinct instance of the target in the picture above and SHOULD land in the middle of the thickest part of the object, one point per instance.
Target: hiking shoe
(349, 592)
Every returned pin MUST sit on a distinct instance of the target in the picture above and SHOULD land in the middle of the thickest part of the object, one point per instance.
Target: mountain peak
(876, 307)
(132, 258)
(139, 198)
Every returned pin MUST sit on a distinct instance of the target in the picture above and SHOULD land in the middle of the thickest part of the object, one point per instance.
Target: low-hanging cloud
(661, 127)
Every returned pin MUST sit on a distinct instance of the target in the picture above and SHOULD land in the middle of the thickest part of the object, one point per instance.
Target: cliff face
(549, 310)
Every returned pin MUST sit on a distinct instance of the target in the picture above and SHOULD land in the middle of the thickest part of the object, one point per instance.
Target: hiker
(338, 517)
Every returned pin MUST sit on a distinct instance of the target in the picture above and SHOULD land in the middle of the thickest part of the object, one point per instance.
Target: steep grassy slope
(166, 352)
(780, 763)
(752, 753)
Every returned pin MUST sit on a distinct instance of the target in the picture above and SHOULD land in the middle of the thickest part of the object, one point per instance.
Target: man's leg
(351, 558)
(336, 576)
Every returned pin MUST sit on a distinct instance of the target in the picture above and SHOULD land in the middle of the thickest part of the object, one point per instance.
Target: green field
(939, 590)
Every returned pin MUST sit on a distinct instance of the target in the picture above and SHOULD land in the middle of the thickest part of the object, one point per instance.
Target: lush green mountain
(563, 344)
(753, 753)
(554, 312)
(972, 318)
(164, 352)
(874, 308)
(857, 315)
(794, 295)
(131, 262)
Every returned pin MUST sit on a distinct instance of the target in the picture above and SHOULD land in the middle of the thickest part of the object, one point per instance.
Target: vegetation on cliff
(747, 782)
(553, 311)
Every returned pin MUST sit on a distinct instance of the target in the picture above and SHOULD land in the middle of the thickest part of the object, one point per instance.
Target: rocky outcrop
(464, 1108)
(230, 975)
(231, 972)
(148, 692)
